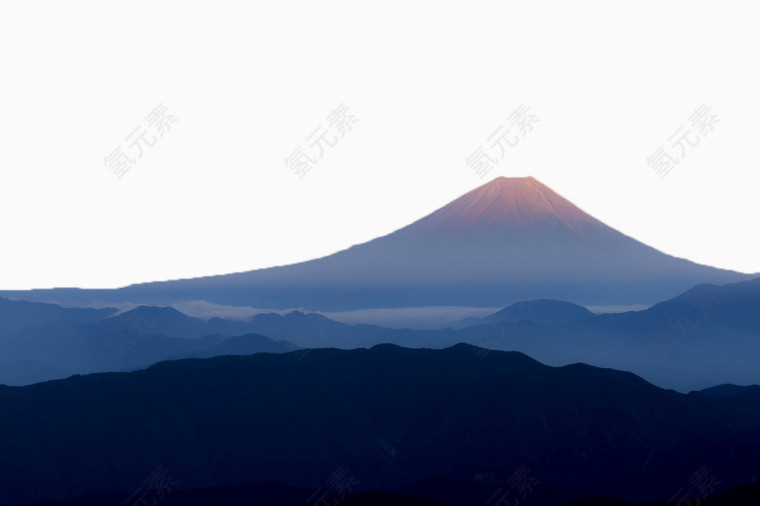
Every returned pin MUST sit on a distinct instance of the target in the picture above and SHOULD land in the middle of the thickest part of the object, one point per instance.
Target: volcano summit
(511, 239)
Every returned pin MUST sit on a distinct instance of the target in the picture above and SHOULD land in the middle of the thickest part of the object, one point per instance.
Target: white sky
(429, 81)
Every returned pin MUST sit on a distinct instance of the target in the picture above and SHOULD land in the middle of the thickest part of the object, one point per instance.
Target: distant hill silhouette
(706, 336)
(728, 390)
(56, 348)
(548, 312)
(17, 314)
(246, 344)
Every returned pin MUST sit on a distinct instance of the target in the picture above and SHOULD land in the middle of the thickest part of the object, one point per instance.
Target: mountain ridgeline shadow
(392, 416)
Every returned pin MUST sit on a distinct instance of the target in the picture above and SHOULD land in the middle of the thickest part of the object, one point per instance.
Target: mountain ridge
(512, 201)
(405, 414)
(508, 240)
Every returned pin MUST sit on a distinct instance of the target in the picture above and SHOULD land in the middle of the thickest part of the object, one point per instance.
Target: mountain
(387, 416)
(509, 240)
(247, 344)
(39, 347)
(743, 495)
(16, 314)
(708, 335)
(469, 494)
(705, 336)
(727, 390)
(732, 306)
(55, 349)
(547, 312)
(170, 322)
(28, 371)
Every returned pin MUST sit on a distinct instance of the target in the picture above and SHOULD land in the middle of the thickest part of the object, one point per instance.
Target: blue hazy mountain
(547, 312)
(247, 344)
(170, 322)
(706, 336)
(56, 348)
(510, 240)
(392, 416)
(16, 314)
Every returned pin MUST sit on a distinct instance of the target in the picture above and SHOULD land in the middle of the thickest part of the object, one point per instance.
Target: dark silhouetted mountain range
(391, 416)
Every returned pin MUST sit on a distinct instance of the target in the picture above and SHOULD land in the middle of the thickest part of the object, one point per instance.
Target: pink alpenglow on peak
(519, 202)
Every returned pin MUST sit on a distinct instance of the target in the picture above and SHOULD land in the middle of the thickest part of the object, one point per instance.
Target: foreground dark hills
(509, 240)
(281, 495)
(743, 495)
(393, 417)
(268, 494)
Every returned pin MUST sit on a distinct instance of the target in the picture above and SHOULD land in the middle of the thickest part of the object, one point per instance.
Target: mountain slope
(727, 390)
(264, 494)
(509, 240)
(704, 337)
(390, 415)
(455, 493)
(546, 312)
(247, 344)
(138, 338)
(16, 314)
